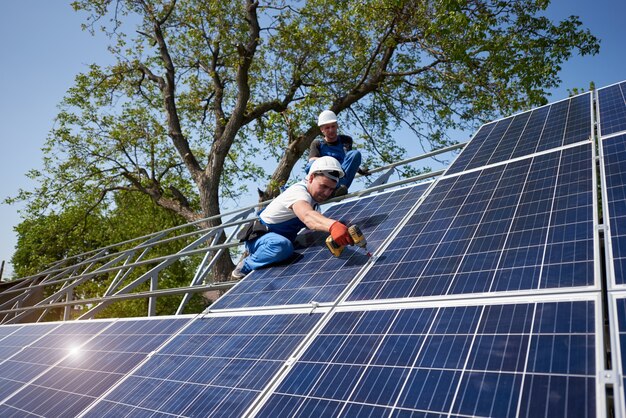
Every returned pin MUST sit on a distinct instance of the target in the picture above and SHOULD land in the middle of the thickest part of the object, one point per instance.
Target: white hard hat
(328, 166)
(327, 116)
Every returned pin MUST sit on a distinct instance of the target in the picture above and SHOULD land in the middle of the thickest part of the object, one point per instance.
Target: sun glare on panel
(74, 350)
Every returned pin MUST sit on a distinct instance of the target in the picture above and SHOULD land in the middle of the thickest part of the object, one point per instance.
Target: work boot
(340, 191)
(238, 273)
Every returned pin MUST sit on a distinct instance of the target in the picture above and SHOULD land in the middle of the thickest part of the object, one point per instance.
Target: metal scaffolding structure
(118, 265)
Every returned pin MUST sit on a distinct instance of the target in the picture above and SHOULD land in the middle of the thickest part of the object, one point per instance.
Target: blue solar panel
(523, 225)
(559, 124)
(620, 329)
(614, 150)
(107, 352)
(488, 360)
(33, 349)
(7, 330)
(612, 107)
(215, 367)
(315, 275)
(14, 337)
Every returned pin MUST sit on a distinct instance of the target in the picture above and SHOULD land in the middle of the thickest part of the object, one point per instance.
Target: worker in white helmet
(338, 147)
(269, 239)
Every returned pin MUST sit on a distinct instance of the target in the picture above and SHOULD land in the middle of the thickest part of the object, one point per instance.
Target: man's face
(321, 187)
(329, 131)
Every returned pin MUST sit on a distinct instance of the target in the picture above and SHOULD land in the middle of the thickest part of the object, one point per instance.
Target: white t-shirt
(280, 209)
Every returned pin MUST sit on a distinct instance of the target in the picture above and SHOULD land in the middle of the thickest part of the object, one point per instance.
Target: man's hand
(340, 234)
(364, 171)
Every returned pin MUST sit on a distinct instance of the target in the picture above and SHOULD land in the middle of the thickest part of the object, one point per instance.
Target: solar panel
(516, 359)
(314, 275)
(32, 349)
(215, 367)
(618, 324)
(612, 109)
(14, 337)
(552, 126)
(614, 157)
(67, 369)
(522, 225)
(612, 120)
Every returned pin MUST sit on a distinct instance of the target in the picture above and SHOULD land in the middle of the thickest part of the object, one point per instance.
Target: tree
(202, 91)
(55, 236)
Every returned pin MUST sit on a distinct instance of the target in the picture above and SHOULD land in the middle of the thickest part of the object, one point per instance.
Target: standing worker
(338, 147)
(269, 239)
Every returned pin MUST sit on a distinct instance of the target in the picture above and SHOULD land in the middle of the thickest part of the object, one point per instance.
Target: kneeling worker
(337, 146)
(270, 238)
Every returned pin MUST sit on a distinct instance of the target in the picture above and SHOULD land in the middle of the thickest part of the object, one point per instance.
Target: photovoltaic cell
(614, 151)
(215, 367)
(612, 109)
(523, 225)
(525, 359)
(314, 274)
(94, 359)
(559, 124)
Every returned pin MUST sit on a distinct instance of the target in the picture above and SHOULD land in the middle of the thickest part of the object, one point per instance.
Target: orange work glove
(340, 234)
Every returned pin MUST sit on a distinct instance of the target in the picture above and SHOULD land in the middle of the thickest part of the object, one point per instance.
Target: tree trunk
(209, 201)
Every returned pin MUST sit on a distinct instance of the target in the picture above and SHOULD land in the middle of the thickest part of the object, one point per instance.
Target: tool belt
(252, 230)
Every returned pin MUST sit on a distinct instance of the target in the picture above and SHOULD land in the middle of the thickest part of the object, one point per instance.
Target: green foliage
(45, 239)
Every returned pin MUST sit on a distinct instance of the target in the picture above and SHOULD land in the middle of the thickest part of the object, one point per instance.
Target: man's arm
(347, 142)
(315, 220)
(311, 218)
(314, 150)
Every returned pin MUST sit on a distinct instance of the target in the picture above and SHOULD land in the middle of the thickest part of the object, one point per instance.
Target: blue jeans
(267, 249)
(350, 165)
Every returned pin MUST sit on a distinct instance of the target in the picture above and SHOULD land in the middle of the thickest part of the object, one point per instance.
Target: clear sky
(43, 48)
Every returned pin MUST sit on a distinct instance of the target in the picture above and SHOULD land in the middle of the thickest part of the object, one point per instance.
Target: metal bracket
(606, 377)
(314, 305)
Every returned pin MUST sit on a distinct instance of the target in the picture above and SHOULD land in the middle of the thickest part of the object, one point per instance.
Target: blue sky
(44, 48)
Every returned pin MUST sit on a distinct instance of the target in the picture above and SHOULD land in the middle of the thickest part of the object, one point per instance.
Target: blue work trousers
(267, 249)
(350, 165)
